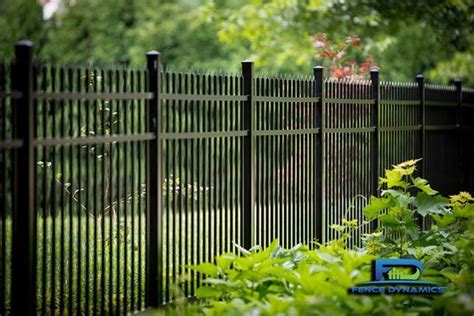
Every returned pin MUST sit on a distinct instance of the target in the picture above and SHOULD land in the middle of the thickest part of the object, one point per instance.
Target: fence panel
(90, 190)
(400, 123)
(442, 167)
(138, 173)
(202, 186)
(467, 126)
(285, 179)
(349, 134)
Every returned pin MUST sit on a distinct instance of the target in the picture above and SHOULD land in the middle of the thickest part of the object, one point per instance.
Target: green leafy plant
(451, 239)
(404, 198)
(277, 280)
(315, 280)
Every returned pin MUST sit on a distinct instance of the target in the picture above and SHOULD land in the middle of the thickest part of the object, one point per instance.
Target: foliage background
(433, 37)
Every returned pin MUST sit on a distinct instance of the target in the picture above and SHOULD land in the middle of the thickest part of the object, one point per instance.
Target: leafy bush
(403, 199)
(304, 281)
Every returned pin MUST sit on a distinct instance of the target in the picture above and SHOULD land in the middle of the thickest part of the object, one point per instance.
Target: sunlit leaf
(206, 268)
(377, 205)
(207, 292)
(423, 185)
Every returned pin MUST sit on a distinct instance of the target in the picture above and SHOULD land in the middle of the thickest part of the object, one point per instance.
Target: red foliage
(336, 57)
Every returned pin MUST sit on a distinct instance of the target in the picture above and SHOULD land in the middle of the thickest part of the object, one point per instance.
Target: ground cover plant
(304, 281)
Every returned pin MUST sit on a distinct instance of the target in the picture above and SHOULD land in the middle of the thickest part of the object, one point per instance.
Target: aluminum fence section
(201, 144)
(90, 189)
(285, 160)
(115, 180)
(401, 123)
(467, 127)
(443, 131)
(349, 135)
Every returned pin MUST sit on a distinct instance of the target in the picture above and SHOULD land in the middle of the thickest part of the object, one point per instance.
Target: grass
(102, 268)
(95, 275)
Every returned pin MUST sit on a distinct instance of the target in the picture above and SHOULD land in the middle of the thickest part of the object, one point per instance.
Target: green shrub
(300, 281)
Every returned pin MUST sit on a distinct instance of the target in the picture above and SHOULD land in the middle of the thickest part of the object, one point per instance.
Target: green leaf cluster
(404, 37)
(314, 280)
(404, 201)
(276, 280)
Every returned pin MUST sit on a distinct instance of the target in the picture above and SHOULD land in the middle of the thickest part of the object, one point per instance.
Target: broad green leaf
(403, 199)
(429, 204)
(214, 281)
(449, 275)
(238, 302)
(461, 199)
(207, 292)
(328, 257)
(389, 221)
(206, 268)
(423, 185)
(444, 220)
(270, 250)
(376, 206)
(271, 262)
(279, 272)
(427, 249)
(245, 263)
(225, 261)
(407, 164)
(449, 246)
(297, 247)
(393, 178)
(465, 211)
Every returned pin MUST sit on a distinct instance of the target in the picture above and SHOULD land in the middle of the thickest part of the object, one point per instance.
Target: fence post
(375, 123)
(319, 172)
(23, 252)
(248, 156)
(154, 254)
(420, 80)
(458, 85)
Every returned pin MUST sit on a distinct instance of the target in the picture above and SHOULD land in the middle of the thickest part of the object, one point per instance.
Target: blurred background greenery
(401, 37)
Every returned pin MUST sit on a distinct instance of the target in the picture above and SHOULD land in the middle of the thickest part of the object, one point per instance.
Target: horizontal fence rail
(114, 180)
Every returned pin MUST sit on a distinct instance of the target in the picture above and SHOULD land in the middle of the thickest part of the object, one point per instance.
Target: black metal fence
(115, 179)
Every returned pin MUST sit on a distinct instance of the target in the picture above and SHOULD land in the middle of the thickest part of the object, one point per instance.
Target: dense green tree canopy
(404, 37)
